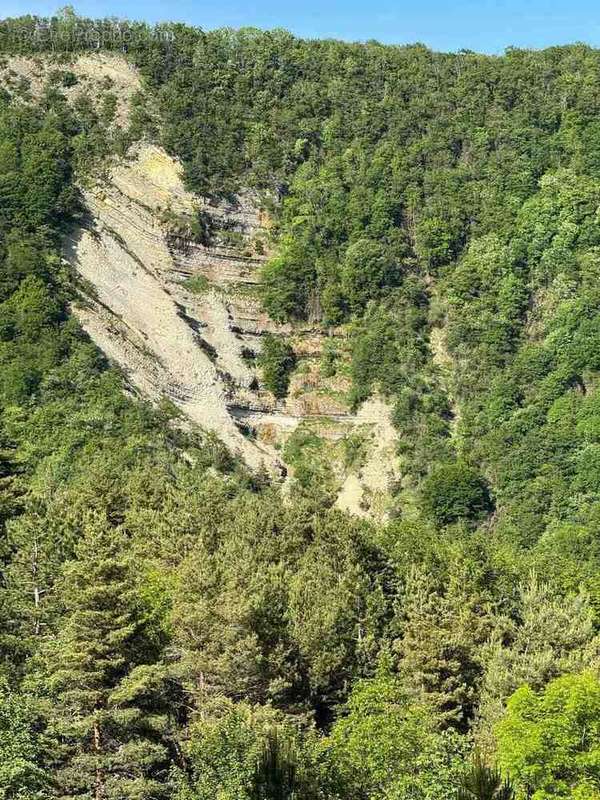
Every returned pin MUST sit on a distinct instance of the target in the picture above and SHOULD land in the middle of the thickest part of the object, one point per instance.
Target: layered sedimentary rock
(170, 293)
(182, 318)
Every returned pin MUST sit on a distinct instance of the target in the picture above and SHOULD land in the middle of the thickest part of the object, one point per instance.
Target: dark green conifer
(107, 698)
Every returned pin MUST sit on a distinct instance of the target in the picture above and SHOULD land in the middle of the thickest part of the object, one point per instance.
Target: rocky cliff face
(170, 293)
(171, 342)
(95, 75)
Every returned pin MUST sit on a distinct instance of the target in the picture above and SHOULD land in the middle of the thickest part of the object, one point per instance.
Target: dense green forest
(171, 626)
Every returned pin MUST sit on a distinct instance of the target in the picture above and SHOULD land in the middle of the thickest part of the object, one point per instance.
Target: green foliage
(548, 635)
(22, 774)
(222, 754)
(481, 782)
(305, 452)
(277, 360)
(455, 491)
(549, 741)
(162, 611)
(197, 284)
(389, 348)
(287, 279)
(251, 753)
(442, 634)
(269, 603)
(275, 773)
(368, 273)
(105, 693)
(389, 747)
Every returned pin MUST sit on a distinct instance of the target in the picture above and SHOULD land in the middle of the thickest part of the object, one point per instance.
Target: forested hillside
(176, 625)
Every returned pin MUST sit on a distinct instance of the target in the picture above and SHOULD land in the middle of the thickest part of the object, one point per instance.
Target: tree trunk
(99, 787)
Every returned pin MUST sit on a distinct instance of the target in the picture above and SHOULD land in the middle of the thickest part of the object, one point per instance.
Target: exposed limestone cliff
(139, 313)
(95, 75)
(170, 293)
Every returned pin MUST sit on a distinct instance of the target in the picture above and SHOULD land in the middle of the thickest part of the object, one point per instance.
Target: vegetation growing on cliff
(172, 626)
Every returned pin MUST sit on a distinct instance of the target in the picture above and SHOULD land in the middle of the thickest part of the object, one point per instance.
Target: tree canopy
(174, 626)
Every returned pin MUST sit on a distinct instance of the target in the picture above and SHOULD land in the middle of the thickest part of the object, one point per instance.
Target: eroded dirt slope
(178, 309)
(136, 309)
(95, 74)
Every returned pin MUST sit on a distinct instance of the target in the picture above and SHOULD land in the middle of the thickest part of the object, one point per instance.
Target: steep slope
(169, 291)
(183, 320)
(138, 313)
(92, 73)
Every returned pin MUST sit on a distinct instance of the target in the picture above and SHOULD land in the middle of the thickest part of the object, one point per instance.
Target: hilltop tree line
(171, 626)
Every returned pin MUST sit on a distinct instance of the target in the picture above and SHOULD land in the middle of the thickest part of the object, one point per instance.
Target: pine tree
(107, 699)
(551, 635)
(481, 782)
(38, 541)
(441, 636)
